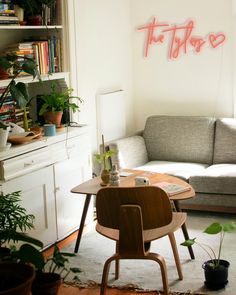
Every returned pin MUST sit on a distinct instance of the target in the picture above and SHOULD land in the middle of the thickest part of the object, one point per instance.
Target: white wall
(194, 84)
(109, 55)
(103, 47)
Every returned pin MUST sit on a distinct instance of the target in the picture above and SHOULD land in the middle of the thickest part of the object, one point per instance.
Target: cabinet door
(38, 199)
(69, 173)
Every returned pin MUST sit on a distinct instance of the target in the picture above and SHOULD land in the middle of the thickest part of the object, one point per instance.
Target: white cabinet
(75, 169)
(38, 198)
(45, 176)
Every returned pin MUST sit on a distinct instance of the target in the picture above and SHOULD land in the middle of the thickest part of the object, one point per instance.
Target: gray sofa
(200, 150)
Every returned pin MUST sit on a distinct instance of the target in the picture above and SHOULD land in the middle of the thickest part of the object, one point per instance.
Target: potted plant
(33, 9)
(55, 103)
(14, 221)
(50, 272)
(103, 158)
(18, 90)
(215, 269)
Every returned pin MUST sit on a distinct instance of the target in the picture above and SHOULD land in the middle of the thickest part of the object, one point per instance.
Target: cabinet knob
(29, 163)
(57, 188)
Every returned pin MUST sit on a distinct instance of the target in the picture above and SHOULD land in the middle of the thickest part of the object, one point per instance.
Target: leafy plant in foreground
(214, 228)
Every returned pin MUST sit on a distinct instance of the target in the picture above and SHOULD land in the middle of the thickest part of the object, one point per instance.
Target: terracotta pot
(46, 284)
(53, 118)
(16, 278)
(3, 74)
(35, 20)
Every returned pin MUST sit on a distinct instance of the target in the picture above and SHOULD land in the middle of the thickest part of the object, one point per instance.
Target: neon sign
(181, 38)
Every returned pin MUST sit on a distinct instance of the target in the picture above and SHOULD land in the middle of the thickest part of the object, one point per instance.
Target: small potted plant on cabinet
(55, 103)
(215, 269)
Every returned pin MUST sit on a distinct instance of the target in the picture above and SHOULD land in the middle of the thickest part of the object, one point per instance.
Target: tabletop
(92, 186)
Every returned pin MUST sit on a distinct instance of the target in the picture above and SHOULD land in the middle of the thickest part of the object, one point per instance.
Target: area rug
(95, 249)
(94, 289)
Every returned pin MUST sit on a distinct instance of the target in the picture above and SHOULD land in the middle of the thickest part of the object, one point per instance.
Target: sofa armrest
(130, 151)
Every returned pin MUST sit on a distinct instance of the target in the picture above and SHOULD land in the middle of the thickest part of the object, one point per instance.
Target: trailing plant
(214, 228)
(18, 90)
(14, 220)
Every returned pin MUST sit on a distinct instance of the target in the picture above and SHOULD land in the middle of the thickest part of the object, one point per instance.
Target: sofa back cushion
(180, 138)
(130, 151)
(225, 141)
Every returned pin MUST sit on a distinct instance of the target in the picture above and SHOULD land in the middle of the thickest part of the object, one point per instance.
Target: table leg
(184, 229)
(82, 221)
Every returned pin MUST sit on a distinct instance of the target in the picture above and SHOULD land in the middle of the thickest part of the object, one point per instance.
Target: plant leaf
(229, 227)
(28, 253)
(30, 67)
(188, 242)
(214, 228)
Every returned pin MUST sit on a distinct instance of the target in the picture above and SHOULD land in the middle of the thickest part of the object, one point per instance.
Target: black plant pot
(46, 284)
(216, 278)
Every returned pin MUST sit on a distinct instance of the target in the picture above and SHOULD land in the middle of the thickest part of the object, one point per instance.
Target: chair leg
(176, 255)
(117, 264)
(105, 274)
(161, 261)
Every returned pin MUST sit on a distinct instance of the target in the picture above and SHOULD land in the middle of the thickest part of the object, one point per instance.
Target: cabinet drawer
(70, 148)
(24, 164)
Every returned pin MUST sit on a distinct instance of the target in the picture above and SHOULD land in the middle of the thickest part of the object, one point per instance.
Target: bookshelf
(15, 34)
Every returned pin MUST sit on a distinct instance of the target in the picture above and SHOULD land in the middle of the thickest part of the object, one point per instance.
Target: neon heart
(216, 40)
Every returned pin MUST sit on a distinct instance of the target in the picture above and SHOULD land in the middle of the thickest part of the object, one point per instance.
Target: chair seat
(179, 218)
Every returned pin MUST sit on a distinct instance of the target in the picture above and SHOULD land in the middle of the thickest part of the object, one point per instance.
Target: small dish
(6, 147)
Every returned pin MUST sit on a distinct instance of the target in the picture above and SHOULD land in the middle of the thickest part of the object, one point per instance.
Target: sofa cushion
(216, 179)
(225, 141)
(180, 169)
(131, 152)
(180, 138)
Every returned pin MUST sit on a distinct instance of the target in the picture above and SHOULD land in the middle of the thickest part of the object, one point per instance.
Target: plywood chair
(133, 217)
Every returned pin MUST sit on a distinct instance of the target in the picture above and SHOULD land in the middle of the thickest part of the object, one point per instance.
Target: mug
(49, 129)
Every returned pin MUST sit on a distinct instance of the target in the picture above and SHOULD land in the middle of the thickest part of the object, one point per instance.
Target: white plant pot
(3, 137)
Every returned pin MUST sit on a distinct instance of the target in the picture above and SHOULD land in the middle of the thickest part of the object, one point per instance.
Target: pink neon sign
(181, 38)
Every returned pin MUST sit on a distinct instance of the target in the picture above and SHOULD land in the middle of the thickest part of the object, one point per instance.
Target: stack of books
(7, 13)
(23, 50)
(8, 108)
(9, 112)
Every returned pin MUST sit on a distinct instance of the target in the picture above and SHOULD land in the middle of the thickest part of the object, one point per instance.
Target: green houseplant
(56, 102)
(50, 272)
(33, 9)
(14, 221)
(103, 159)
(215, 269)
(18, 90)
(16, 277)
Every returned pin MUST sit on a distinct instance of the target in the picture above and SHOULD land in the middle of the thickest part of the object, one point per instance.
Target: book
(172, 188)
